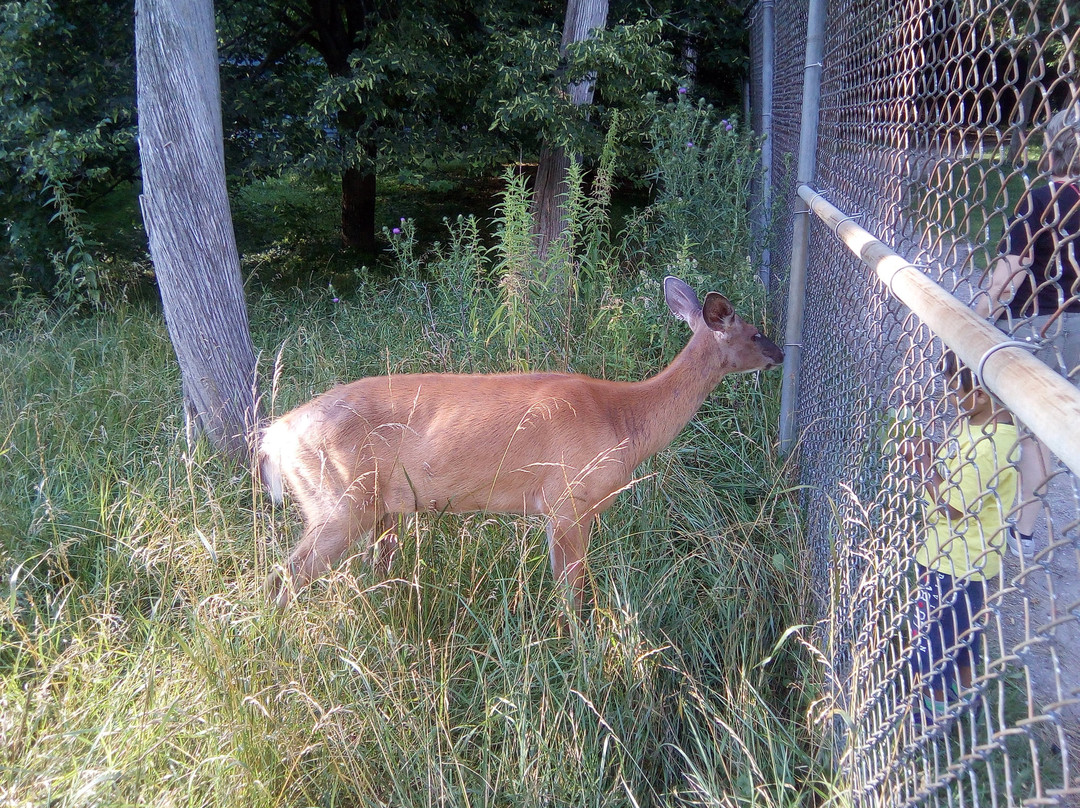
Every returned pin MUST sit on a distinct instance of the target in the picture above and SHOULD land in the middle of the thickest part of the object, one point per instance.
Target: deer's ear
(717, 311)
(681, 299)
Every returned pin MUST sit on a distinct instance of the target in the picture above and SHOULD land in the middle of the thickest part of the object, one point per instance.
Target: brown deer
(556, 444)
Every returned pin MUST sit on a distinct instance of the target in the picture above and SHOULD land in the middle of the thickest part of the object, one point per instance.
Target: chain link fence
(932, 121)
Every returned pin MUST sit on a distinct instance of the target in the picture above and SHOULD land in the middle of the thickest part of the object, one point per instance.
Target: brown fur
(555, 444)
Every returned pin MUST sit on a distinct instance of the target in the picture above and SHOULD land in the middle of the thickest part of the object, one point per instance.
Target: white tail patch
(270, 461)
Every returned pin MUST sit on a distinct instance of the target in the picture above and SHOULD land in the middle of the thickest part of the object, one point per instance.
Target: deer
(558, 445)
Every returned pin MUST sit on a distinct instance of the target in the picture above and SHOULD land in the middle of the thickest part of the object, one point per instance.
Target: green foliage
(629, 63)
(389, 89)
(411, 89)
(476, 84)
(711, 41)
(67, 136)
(705, 167)
(405, 91)
(141, 664)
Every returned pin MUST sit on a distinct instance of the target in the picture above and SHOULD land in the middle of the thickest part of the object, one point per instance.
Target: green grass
(143, 666)
(969, 199)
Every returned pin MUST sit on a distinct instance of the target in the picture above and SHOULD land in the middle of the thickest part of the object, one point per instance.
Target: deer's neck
(660, 407)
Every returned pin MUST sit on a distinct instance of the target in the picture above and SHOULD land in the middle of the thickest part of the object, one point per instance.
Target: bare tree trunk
(549, 195)
(358, 192)
(186, 213)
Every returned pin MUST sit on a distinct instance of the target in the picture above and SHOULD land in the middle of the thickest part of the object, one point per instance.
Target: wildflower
(682, 91)
(396, 231)
(689, 144)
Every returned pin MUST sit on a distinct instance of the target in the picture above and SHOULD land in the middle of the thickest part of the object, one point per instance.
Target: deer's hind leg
(384, 543)
(325, 540)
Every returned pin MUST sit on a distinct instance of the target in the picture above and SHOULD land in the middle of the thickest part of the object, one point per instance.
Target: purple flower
(728, 127)
(689, 144)
(396, 231)
(336, 300)
(682, 91)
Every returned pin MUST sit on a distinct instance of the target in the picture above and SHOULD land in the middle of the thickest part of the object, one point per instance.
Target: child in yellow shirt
(972, 486)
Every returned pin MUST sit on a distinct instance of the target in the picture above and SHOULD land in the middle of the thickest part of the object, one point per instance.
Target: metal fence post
(815, 35)
(768, 55)
(932, 130)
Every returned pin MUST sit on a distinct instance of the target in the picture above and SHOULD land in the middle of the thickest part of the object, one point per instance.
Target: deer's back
(512, 443)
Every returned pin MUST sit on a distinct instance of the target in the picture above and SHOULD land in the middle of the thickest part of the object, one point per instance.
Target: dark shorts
(946, 632)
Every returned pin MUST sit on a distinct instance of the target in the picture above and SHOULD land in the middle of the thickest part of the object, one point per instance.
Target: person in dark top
(1035, 288)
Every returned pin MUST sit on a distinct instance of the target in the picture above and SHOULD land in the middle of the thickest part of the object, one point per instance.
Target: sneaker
(933, 708)
(928, 715)
(1020, 544)
(969, 702)
(931, 716)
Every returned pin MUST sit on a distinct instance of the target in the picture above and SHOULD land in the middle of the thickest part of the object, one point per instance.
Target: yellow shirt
(980, 483)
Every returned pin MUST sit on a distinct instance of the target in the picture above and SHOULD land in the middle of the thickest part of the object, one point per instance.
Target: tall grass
(142, 664)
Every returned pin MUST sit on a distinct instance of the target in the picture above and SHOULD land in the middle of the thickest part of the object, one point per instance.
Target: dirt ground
(1041, 621)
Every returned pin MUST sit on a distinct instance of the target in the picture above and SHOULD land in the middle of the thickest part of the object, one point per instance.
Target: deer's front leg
(568, 541)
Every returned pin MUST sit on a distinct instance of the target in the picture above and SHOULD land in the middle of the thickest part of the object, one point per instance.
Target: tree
(337, 29)
(711, 42)
(186, 214)
(540, 84)
(471, 81)
(67, 138)
(583, 18)
(478, 82)
(396, 89)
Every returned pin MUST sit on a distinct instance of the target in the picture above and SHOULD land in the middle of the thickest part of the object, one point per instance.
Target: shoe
(931, 716)
(928, 715)
(969, 702)
(933, 708)
(1020, 544)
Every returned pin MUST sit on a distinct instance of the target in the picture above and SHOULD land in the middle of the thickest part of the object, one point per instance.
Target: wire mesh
(933, 124)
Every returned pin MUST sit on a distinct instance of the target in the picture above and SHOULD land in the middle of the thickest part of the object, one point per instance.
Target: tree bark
(358, 191)
(186, 213)
(339, 28)
(549, 198)
(549, 192)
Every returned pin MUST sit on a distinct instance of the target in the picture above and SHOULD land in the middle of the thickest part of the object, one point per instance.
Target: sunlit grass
(141, 663)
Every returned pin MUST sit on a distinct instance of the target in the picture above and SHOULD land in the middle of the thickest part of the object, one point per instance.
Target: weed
(142, 664)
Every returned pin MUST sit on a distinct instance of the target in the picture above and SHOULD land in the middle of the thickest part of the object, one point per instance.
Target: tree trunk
(358, 186)
(549, 192)
(549, 198)
(186, 213)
